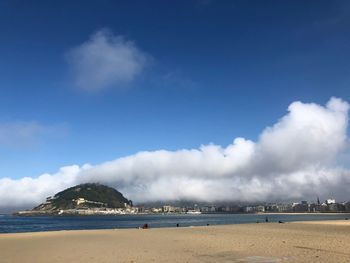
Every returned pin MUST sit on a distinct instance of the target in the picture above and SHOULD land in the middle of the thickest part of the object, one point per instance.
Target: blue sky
(214, 70)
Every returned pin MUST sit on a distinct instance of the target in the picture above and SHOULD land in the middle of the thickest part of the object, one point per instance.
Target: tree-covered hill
(90, 194)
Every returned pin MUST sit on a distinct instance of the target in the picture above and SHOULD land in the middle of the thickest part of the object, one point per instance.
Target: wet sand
(316, 241)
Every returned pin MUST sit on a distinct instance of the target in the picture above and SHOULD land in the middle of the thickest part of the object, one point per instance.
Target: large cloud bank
(295, 158)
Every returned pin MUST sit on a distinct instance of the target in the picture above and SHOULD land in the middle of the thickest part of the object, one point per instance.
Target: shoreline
(204, 213)
(265, 242)
(98, 223)
(309, 222)
(306, 213)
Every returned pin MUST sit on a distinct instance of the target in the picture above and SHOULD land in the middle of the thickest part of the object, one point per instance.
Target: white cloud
(23, 134)
(29, 191)
(295, 158)
(106, 61)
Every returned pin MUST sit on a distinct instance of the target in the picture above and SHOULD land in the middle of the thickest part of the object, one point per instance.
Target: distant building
(271, 208)
(324, 207)
(140, 209)
(347, 206)
(259, 209)
(171, 209)
(301, 208)
(80, 201)
(248, 209)
(229, 209)
(286, 208)
(156, 210)
(330, 201)
(168, 209)
(204, 209)
(254, 209)
(208, 209)
(314, 208)
(335, 207)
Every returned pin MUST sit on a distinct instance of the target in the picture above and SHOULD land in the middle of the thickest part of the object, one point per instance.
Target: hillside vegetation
(96, 195)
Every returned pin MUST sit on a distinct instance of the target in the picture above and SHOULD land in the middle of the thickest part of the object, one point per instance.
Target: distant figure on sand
(266, 219)
(177, 225)
(145, 226)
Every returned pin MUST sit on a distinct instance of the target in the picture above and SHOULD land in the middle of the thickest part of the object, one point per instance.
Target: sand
(317, 241)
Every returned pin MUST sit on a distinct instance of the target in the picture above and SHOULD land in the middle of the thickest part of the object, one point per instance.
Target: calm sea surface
(15, 224)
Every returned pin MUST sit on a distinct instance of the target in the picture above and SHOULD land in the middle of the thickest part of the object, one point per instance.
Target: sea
(17, 224)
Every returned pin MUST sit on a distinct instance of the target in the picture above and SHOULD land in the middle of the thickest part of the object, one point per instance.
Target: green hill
(88, 195)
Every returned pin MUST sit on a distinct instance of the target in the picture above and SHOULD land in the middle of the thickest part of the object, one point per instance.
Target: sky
(208, 100)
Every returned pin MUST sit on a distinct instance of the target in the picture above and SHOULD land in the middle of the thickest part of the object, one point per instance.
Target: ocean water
(16, 224)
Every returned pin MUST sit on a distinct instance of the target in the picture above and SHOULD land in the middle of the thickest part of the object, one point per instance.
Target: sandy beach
(317, 241)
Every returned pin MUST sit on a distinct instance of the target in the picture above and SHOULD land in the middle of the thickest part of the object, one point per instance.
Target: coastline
(18, 224)
(38, 214)
(304, 213)
(272, 242)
